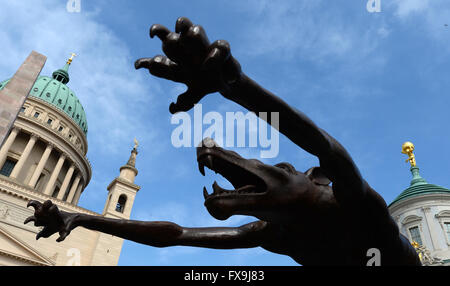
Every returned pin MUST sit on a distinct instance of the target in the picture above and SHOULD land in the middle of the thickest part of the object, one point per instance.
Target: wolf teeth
(201, 168)
(209, 159)
(205, 193)
(217, 189)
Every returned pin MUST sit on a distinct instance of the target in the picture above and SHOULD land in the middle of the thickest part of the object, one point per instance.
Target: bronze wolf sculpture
(300, 214)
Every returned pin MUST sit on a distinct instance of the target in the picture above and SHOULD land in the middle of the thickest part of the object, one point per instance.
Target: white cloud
(407, 7)
(426, 17)
(308, 29)
(383, 31)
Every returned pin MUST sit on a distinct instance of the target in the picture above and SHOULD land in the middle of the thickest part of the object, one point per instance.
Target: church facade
(44, 158)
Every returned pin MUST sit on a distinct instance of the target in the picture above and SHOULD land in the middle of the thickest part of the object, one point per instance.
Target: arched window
(120, 206)
(444, 221)
(447, 230)
(415, 235)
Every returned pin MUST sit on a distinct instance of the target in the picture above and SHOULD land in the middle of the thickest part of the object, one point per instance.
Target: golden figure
(425, 255)
(417, 247)
(408, 148)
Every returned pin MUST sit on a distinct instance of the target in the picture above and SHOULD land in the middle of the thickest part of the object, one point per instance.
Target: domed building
(44, 157)
(422, 213)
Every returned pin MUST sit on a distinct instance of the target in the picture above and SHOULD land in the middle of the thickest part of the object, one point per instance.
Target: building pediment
(13, 247)
(443, 214)
(410, 219)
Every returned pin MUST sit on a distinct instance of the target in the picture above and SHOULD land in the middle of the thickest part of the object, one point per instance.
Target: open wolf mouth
(232, 167)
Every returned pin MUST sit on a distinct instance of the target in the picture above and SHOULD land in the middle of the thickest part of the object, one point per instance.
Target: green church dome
(419, 187)
(55, 91)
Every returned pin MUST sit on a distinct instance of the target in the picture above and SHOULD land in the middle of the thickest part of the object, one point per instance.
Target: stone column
(78, 194)
(430, 225)
(51, 183)
(23, 158)
(74, 188)
(37, 173)
(5, 148)
(66, 182)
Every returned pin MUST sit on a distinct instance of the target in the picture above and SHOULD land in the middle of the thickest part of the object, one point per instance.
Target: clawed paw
(48, 215)
(191, 59)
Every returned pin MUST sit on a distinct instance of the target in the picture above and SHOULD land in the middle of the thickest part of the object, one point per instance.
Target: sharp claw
(61, 238)
(183, 24)
(218, 54)
(47, 204)
(205, 193)
(173, 108)
(62, 235)
(185, 101)
(28, 219)
(159, 30)
(213, 59)
(45, 232)
(201, 168)
(140, 63)
(53, 208)
(34, 204)
(178, 107)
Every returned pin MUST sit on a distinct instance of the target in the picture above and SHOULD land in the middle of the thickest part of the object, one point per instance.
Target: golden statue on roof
(408, 148)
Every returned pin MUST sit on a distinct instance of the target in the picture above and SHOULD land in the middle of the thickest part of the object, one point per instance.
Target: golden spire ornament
(408, 148)
(69, 61)
(136, 143)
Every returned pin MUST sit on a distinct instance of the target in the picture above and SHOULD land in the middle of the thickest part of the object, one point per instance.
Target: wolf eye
(287, 167)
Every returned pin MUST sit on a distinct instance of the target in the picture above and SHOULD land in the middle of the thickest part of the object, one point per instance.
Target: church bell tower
(122, 192)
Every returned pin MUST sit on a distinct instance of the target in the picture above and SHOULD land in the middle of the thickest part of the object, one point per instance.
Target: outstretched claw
(29, 219)
(219, 52)
(160, 66)
(185, 101)
(48, 215)
(195, 43)
(45, 233)
(183, 24)
(191, 59)
(160, 31)
(34, 204)
(62, 235)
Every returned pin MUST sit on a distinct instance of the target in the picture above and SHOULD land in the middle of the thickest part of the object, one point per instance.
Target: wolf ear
(316, 175)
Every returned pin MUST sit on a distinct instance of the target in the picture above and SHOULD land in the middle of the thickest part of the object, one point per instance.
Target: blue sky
(372, 80)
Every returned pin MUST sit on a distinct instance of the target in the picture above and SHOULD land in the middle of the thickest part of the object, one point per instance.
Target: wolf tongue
(246, 188)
